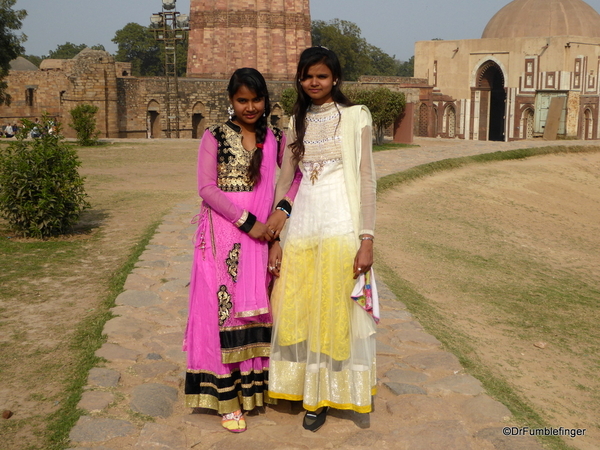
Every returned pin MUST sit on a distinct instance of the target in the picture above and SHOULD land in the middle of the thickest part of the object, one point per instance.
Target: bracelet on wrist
(250, 220)
(367, 238)
(281, 208)
(285, 206)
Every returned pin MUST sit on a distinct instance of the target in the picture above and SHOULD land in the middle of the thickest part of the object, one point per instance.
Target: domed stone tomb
(542, 18)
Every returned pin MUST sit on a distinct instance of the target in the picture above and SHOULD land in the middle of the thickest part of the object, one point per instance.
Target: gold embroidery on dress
(233, 160)
(233, 261)
(225, 304)
(314, 168)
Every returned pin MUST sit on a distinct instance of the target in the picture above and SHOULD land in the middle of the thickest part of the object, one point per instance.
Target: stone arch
(588, 124)
(276, 118)
(153, 128)
(489, 82)
(527, 123)
(449, 121)
(199, 120)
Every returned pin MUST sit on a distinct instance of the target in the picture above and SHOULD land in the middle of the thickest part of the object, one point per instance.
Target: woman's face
(248, 107)
(318, 83)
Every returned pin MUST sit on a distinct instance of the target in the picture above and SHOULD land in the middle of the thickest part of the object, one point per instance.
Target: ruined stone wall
(201, 103)
(93, 81)
(33, 93)
(61, 85)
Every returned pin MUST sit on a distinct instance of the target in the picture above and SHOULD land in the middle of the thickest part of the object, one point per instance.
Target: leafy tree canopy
(356, 55)
(407, 68)
(37, 60)
(70, 50)
(10, 43)
(385, 106)
(138, 45)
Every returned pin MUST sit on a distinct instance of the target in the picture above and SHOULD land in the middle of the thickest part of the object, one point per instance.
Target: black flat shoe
(313, 421)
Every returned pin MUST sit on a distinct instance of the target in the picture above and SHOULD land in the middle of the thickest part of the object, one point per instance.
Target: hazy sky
(392, 25)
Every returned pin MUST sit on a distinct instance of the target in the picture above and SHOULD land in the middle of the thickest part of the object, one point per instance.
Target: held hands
(270, 230)
(260, 232)
(276, 221)
(364, 258)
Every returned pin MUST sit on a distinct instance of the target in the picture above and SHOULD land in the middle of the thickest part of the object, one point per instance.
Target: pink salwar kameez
(229, 325)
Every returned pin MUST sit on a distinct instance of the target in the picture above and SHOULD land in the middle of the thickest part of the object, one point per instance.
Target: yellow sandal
(234, 422)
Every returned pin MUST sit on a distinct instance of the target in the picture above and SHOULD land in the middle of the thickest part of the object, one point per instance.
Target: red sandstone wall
(266, 34)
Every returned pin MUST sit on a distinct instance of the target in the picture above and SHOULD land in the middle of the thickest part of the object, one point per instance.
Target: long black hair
(255, 82)
(308, 58)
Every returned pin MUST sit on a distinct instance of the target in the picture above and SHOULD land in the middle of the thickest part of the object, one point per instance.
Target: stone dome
(22, 64)
(544, 18)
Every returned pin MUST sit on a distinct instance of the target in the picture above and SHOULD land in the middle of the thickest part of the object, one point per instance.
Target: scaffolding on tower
(170, 27)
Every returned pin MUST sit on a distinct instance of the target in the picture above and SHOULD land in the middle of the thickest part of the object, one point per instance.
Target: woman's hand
(276, 222)
(260, 232)
(364, 258)
(275, 254)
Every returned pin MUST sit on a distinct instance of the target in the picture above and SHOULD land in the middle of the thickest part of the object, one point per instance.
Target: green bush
(41, 191)
(84, 123)
(288, 98)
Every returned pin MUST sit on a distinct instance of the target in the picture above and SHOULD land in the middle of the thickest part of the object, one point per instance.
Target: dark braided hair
(308, 58)
(255, 82)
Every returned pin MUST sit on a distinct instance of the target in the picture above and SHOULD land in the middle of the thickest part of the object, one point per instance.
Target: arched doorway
(450, 121)
(527, 121)
(588, 124)
(492, 105)
(198, 120)
(153, 120)
(276, 115)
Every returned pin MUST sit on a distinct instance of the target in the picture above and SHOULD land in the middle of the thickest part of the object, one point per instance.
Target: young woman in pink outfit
(229, 326)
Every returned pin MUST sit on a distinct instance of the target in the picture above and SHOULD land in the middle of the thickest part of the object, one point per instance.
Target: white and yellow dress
(323, 345)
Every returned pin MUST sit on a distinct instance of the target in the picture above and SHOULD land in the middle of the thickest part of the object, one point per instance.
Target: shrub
(41, 191)
(84, 123)
(288, 98)
(384, 104)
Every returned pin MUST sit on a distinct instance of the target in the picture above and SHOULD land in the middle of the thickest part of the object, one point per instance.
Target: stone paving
(425, 399)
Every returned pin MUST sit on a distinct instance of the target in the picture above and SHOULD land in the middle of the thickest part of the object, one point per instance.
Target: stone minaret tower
(268, 35)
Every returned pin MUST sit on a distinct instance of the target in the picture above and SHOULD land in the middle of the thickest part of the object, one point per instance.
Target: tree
(37, 60)
(10, 43)
(385, 106)
(382, 64)
(356, 55)
(84, 123)
(344, 38)
(41, 191)
(137, 45)
(69, 50)
(407, 68)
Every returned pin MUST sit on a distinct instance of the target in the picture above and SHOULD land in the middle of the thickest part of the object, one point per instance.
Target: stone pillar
(268, 35)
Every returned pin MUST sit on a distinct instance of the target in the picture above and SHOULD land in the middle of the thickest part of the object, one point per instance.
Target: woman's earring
(230, 111)
(335, 83)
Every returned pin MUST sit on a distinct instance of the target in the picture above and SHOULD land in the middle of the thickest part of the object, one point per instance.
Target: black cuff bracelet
(249, 223)
(287, 206)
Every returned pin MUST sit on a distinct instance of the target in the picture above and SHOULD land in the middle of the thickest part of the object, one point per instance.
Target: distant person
(323, 350)
(228, 333)
(35, 130)
(9, 131)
